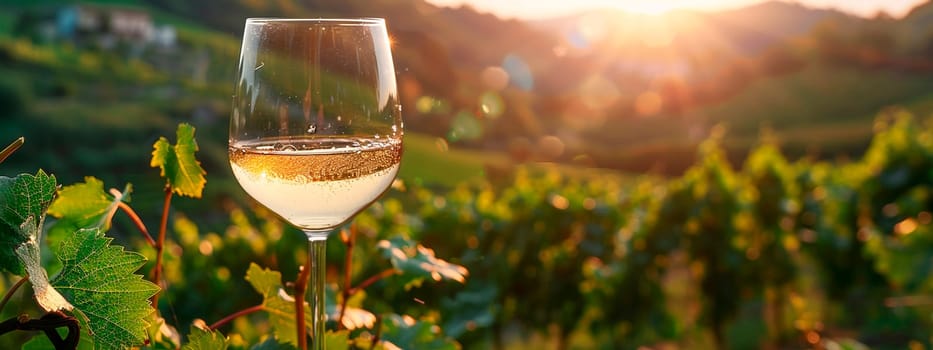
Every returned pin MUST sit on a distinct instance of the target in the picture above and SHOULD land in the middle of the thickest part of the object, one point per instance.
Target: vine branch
(349, 240)
(160, 245)
(6, 152)
(378, 335)
(373, 279)
(134, 217)
(300, 286)
(48, 324)
(9, 293)
(234, 315)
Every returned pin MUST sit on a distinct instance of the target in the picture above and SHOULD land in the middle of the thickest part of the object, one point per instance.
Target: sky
(536, 9)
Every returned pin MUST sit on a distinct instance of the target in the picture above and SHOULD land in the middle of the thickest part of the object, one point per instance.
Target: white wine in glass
(316, 128)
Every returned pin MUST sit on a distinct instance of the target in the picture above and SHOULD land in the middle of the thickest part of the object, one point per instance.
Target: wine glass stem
(317, 247)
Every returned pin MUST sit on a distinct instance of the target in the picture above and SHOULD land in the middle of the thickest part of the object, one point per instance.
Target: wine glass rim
(320, 20)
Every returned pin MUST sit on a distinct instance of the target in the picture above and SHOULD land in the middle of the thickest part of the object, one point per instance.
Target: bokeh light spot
(472, 242)
(465, 127)
(491, 104)
(223, 274)
(890, 210)
(924, 217)
(590, 29)
(648, 103)
(551, 147)
(589, 204)
(439, 202)
(813, 337)
(494, 78)
(597, 92)
(560, 202)
(427, 104)
(906, 227)
(424, 104)
(206, 248)
(441, 145)
(519, 73)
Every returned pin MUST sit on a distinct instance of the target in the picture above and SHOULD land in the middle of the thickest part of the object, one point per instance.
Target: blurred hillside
(636, 93)
(763, 252)
(601, 89)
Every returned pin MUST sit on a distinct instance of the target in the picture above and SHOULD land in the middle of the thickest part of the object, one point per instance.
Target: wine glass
(316, 127)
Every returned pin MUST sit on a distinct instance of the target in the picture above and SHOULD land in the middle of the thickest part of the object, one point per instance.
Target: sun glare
(648, 8)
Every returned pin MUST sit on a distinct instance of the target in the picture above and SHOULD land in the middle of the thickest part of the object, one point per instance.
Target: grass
(430, 160)
(817, 95)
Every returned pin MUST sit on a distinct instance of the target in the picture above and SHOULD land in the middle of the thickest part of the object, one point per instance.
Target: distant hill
(745, 30)
(917, 28)
(604, 82)
(757, 27)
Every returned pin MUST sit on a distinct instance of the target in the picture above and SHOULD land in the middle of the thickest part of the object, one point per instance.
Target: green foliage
(404, 332)
(85, 205)
(97, 279)
(273, 344)
(276, 302)
(85, 202)
(181, 170)
(469, 310)
(627, 264)
(899, 195)
(29, 197)
(100, 280)
(714, 199)
(205, 339)
(416, 263)
(337, 340)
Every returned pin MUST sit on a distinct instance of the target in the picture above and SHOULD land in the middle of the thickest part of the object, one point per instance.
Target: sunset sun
(538, 9)
(649, 8)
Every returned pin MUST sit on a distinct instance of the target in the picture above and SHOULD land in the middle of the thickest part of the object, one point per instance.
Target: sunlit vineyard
(778, 253)
(749, 248)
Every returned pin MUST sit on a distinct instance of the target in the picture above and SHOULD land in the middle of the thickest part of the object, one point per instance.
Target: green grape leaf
(276, 302)
(25, 200)
(354, 317)
(205, 339)
(161, 335)
(100, 280)
(337, 340)
(281, 306)
(332, 341)
(416, 262)
(85, 204)
(404, 332)
(273, 344)
(470, 309)
(82, 205)
(181, 170)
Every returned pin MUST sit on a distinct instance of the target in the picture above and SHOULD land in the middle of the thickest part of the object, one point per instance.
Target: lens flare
(598, 93)
(491, 104)
(519, 72)
(494, 78)
(465, 127)
(648, 103)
